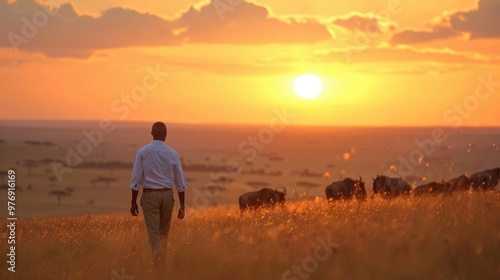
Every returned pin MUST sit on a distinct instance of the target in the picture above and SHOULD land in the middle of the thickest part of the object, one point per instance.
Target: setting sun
(308, 86)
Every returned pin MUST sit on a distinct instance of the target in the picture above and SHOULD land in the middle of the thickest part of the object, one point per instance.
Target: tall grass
(454, 237)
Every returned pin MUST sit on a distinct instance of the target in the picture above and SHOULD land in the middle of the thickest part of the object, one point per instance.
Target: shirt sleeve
(137, 173)
(179, 179)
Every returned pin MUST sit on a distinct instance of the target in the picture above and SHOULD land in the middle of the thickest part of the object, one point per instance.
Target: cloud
(61, 32)
(401, 54)
(246, 23)
(426, 69)
(369, 23)
(482, 22)
(423, 36)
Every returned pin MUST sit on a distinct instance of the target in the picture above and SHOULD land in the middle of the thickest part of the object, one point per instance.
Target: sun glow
(308, 86)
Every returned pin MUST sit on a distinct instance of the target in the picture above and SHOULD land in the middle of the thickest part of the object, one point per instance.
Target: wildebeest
(346, 189)
(266, 197)
(390, 187)
(461, 183)
(485, 180)
(432, 188)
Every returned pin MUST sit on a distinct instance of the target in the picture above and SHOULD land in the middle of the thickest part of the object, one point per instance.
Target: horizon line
(2, 121)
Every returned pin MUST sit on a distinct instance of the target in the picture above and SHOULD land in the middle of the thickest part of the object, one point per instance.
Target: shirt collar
(158, 142)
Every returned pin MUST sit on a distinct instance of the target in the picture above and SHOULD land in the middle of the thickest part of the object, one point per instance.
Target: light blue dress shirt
(157, 166)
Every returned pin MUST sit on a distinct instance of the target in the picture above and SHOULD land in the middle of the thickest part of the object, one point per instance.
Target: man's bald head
(159, 131)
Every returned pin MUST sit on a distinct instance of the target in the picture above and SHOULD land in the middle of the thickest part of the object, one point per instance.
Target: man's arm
(135, 185)
(134, 209)
(179, 178)
(180, 184)
(182, 212)
(181, 198)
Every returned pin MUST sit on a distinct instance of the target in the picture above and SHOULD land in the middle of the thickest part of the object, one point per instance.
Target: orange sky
(382, 62)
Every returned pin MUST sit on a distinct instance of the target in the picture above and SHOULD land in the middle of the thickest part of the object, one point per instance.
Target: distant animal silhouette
(266, 197)
(346, 189)
(389, 187)
(431, 188)
(461, 183)
(485, 180)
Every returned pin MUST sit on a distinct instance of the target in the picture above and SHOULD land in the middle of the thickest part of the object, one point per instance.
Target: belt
(156, 190)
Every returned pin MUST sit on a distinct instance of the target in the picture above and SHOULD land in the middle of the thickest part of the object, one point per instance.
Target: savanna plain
(84, 231)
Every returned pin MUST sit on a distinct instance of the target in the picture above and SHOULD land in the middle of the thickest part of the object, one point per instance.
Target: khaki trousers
(157, 208)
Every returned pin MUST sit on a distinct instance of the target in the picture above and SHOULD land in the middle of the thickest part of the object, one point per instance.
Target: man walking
(157, 169)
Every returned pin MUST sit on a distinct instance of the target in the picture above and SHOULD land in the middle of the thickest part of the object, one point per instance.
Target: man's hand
(182, 212)
(134, 209)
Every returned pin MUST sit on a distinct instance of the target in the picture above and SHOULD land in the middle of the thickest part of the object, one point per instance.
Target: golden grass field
(455, 237)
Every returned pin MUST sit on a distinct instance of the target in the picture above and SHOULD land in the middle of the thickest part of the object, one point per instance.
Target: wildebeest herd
(386, 187)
